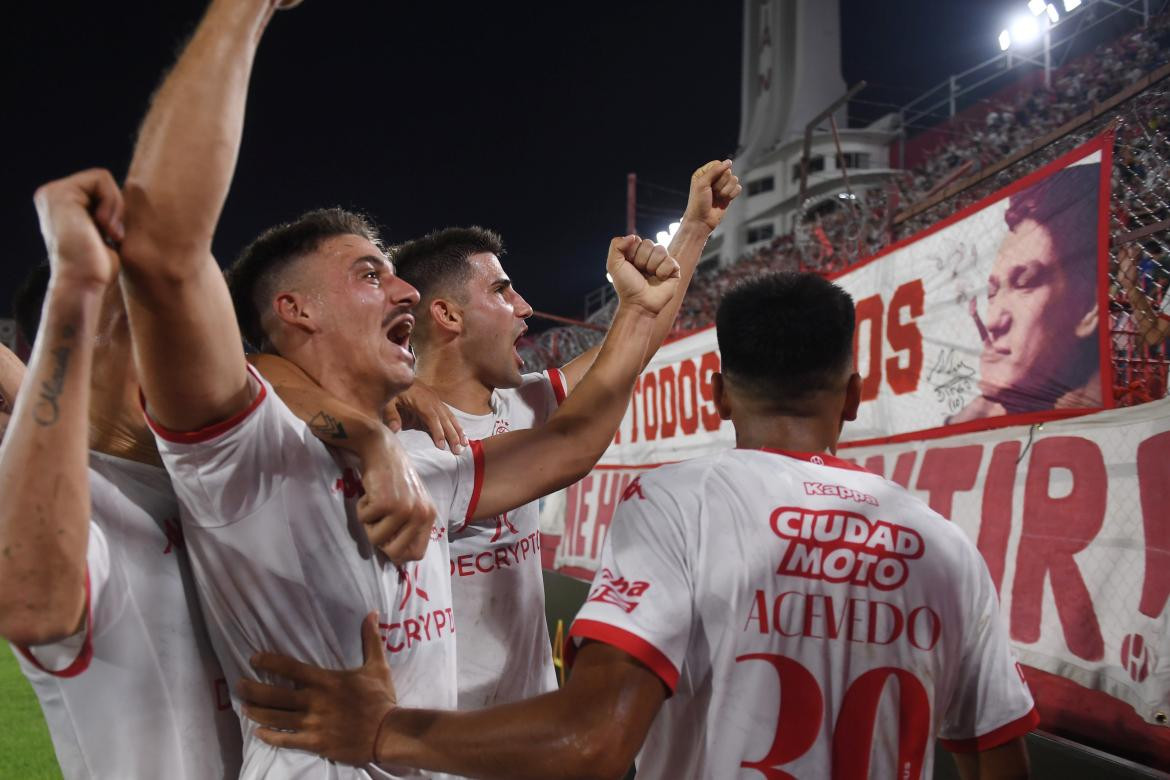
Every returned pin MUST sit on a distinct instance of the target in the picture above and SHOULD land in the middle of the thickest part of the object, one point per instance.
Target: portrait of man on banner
(1040, 326)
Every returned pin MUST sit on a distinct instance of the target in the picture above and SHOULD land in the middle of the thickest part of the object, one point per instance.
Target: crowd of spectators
(835, 238)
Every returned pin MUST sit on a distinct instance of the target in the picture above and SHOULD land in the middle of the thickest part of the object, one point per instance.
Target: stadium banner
(1070, 516)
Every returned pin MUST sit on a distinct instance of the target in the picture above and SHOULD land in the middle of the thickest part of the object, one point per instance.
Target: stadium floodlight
(1025, 29)
(1036, 7)
(664, 237)
(1005, 40)
(1070, 5)
(1053, 14)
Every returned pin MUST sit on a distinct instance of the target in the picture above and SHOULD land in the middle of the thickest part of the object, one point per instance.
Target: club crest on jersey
(838, 546)
(619, 591)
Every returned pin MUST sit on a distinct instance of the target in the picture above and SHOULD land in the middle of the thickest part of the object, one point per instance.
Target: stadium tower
(791, 73)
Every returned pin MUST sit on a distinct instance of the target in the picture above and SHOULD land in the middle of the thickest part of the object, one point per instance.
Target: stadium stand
(1120, 84)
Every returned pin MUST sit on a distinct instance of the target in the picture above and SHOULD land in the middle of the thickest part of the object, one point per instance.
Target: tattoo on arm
(47, 409)
(325, 426)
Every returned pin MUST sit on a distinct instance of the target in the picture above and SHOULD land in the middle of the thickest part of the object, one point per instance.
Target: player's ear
(719, 396)
(852, 398)
(1088, 325)
(291, 308)
(446, 316)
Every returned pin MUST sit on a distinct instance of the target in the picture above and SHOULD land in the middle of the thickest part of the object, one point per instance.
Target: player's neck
(781, 432)
(329, 368)
(453, 380)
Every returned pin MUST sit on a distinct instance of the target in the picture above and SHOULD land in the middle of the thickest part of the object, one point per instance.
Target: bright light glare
(664, 237)
(1053, 14)
(1005, 40)
(1036, 7)
(1025, 30)
(1071, 4)
(609, 277)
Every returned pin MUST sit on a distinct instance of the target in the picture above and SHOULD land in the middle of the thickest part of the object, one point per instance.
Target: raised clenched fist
(643, 273)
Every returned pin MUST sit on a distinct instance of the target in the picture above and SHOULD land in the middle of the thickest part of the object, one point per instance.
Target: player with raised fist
(471, 384)
(95, 572)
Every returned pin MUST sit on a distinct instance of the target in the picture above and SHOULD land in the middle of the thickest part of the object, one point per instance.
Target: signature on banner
(952, 379)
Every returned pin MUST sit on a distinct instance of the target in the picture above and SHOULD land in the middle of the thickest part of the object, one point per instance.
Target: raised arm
(591, 728)
(1152, 328)
(713, 187)
(186, 340)
(521, 466)
(11, 375)
(44, 461)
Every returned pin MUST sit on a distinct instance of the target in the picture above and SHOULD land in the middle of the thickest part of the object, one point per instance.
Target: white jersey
(1164, 307)
(811, 619)
(283, 565)
(504, 653)
(137, 693)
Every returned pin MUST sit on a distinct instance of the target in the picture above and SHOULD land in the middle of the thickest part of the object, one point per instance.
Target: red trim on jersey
(557, 380)
(211, 431)
(81, 662)
(1163, 315)
(825, 458)
(633, 644)
(477, 456)
(1005, 733)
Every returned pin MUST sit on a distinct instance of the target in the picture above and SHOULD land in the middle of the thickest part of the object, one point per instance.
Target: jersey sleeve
(641, 599)
(453, 481)
(991, 704)
(1164, 307)
(104, 599)
(227, 471)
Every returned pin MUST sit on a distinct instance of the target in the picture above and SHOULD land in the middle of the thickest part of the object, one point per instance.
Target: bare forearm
(524, 465)
(44, 475)
(686, 248)
(538, 739)
(189, 141)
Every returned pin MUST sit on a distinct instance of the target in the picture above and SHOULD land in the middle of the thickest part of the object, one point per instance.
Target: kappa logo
(619, 591)
(413, 585)
(821, 489)
(501, 522)
(173, 530)
(437, 532)
(350, 484)
(633, 489)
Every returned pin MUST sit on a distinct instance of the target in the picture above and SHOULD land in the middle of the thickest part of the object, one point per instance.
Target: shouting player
(468, 321)
(275, 520)
(769, 610)
(95, 589)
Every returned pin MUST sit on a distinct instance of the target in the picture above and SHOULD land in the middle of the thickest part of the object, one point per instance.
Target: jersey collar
(818, 458)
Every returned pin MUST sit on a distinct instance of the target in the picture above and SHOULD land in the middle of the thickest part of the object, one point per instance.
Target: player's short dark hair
(438, 261)
(256, 270)
(785, 336)
(29, 300)
(1066, 204)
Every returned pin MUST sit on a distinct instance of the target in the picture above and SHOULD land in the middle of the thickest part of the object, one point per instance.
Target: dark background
(523, 117)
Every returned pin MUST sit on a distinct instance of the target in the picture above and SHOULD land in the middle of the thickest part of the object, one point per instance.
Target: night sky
(523, 117)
